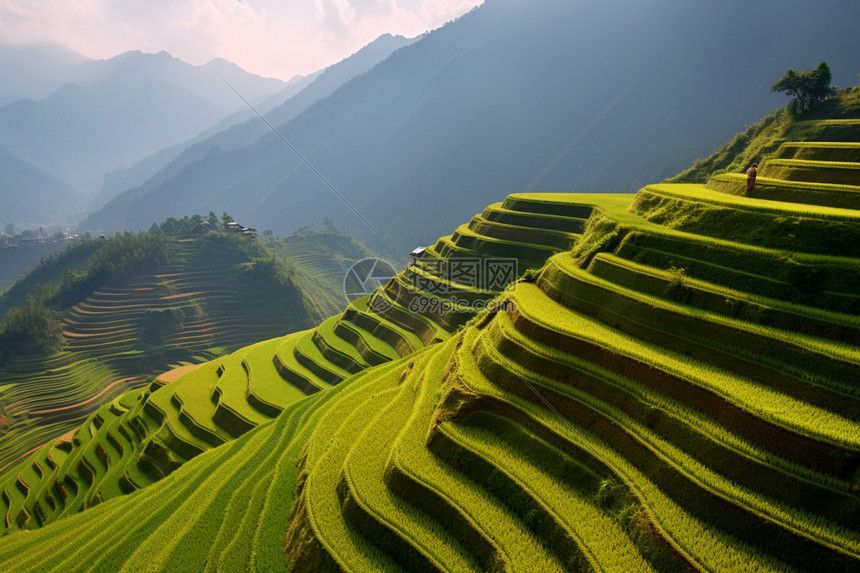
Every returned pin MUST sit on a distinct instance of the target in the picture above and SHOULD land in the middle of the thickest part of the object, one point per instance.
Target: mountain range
(34, 70)
(103, 126)
(244, 127)
(484, 104)
(113, 112)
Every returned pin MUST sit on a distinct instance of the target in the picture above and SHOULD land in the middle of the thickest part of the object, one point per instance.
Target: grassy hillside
(671, 386)
(128, 308)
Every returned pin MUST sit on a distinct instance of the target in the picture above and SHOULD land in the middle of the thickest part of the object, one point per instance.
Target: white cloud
(270, 37)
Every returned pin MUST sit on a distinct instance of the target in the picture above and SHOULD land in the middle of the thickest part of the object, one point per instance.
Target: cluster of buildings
(234, 227)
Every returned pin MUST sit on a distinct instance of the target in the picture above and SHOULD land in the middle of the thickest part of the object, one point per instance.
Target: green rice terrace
(671, 385)
(188, 309)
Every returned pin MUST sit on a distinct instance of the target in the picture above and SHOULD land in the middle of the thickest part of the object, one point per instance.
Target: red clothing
(751, 173)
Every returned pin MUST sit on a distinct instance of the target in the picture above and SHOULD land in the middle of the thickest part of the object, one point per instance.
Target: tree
(807, 88)
(213, 222)
(31, 328)
(196, 224)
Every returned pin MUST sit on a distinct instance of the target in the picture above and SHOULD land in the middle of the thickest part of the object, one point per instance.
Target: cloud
(211, 14)
(45, 20)
(270, 37)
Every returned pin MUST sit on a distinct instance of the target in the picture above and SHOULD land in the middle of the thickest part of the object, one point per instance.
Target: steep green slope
(670, 391)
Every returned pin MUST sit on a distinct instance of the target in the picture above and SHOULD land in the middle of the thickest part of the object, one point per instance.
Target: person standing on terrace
(751, 173)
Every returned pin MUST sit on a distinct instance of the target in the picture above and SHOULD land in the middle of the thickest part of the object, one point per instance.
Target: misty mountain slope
(230, 127)
(31, 196)
(205, 82)
(336, 75)
(293, 101)
(115, 112)
(484, 104)
(243, 126)
(78, 133)
(34, 70)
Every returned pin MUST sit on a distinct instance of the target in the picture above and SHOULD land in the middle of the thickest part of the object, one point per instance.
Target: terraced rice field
(106, 355)
(666, 393)
(324, 255)
(225, 398)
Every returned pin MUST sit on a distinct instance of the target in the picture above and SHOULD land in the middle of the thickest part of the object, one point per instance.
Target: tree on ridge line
(808, 87)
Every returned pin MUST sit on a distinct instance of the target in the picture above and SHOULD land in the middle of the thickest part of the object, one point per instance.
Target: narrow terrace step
(291, 371)
(836, 130)
(336, 350)
(830, 283)
(820, 150)
(528, 253)
(564, 204)
(770, 224)
(788, 362)
(555, 221)
(545, 237)
(738, 304)
(268, 393)
(834, 172)
(403, 341)
(309, 356)
(375, 350)
(808, 193)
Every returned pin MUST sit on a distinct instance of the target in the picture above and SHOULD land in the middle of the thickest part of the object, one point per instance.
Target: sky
(275, 38)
